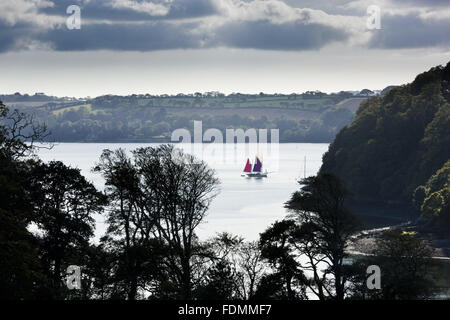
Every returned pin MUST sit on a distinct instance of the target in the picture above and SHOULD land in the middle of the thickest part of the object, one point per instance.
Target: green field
(176, 104)
(58, 112)
(309, 117)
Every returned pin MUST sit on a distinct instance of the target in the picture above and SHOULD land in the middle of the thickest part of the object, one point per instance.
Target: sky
(250, 46)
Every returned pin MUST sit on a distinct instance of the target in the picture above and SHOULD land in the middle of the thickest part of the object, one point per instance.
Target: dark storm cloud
(410, 31)
(19, 37)
(128, 29)
(287, 36)
(104, 9)
(192, 9)
(163, 36)
(136, 37)
(272, 25)
(7, 39)
(423, 3)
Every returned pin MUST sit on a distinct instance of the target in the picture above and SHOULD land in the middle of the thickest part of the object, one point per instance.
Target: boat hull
(257, 175)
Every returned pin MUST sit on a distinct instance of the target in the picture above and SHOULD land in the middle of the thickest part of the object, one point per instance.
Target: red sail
(248, 166)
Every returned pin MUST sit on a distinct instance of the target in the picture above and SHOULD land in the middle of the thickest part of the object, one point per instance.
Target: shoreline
(178, 142)
(363, 242)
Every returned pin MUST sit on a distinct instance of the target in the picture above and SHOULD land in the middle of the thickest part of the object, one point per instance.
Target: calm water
(244, 206)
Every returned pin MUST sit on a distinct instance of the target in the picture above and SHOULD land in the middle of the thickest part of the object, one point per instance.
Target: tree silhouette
(64, 203)
(325, 227)
(158, 198)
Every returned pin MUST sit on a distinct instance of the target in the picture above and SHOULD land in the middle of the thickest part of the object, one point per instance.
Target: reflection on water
(441, 274)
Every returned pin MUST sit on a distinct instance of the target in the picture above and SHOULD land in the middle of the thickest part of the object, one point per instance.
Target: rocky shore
(363, 243)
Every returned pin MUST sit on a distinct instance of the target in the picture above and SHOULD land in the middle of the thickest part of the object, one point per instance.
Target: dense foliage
(45, 213)
(435, 204)
(397, 142)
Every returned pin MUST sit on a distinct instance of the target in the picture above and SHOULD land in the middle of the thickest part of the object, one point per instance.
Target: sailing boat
(257, 169)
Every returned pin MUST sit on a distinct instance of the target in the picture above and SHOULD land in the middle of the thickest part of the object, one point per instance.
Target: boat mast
(304, 169)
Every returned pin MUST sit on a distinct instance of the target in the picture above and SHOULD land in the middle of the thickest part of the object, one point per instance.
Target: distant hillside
(307, 117)
(397, 142)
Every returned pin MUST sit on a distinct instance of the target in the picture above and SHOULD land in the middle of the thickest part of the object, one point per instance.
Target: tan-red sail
(248, 166)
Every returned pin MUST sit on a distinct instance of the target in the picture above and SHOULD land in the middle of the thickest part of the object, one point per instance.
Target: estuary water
(244, 206)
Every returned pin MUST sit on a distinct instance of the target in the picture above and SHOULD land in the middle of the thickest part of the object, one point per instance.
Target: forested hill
(307, 117)
(397, 143)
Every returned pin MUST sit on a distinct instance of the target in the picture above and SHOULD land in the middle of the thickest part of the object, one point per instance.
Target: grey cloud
(172, 32)
(141, 32)
(7, 39)
(410, 31)
(163, 36)
(287, 36)
(102, 9)
(423, 3)
(15, 38)
(329, 6)
(135, 37)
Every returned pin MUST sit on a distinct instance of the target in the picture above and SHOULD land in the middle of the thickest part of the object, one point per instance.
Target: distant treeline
(307, 117)
(40, 96)
(148, 125)
(37, 97)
